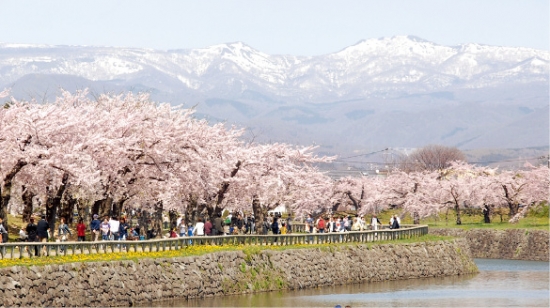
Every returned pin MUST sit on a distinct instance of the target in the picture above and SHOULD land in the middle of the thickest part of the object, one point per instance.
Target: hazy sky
(297, 27)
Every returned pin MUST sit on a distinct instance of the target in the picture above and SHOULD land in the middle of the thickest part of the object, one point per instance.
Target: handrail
(26, 249)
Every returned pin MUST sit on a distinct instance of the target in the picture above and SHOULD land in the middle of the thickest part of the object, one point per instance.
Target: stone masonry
(512, 244)
(126, 283)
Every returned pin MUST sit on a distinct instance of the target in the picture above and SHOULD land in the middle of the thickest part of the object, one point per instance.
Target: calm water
(500, 283)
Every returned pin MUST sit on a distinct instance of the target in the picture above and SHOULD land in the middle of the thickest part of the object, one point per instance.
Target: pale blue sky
(297, 27)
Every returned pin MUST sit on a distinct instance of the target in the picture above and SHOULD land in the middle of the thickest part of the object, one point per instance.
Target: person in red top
(321, 225)
(208, 227)
(81, 230)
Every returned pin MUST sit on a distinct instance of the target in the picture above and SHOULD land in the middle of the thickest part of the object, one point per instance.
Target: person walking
(218, 225)
(42, 229)
(395, 222)
(81, 230)
(199, 228)
(208, 227)
(321, 225)
(182, 228)
(239, 224)
(105, 229)
(275, 227)
(374, 222)
(62, 232)
(123, 231)
(94, 227)
(114, 226)
(309, 224)
(362, 223)
(190, 232)
(32, 235)
(3, 235)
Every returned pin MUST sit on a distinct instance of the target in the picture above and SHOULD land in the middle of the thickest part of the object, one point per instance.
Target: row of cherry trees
(115, 152)
(124, 151)
(426, 193)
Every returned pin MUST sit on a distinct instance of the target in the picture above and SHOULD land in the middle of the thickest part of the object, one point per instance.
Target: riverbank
(126, 283)
(511, 244)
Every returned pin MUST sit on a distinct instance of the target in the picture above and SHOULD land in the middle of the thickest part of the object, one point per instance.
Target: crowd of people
(232, 224)
(118, 228)
(347, 224)
(110, 228)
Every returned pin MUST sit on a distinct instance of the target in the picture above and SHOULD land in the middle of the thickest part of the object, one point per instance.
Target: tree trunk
(83, 209)
(118, 206)
(27, 197)
(259, 215)
(5, 190)
(157, 219)
(416, 218)
(173, 218)
(514, 209)
(457, 209)
(356, 203)
(202, 210)
(102, 207)
(335, 207)
(486, 214)
(225, 185)
(67, 209)
(213, 210)
(513, 206)
(143, 221)
(53, 201)
(191, 211)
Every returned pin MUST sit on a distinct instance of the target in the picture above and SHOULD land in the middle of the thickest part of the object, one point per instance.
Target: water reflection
(500, 283)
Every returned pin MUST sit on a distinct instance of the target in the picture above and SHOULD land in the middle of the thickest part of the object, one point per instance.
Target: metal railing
(27, 249)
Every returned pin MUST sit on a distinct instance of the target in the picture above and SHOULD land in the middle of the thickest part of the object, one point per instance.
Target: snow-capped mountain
(377, 87)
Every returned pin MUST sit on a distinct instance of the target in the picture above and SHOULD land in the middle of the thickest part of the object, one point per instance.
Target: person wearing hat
(94, 226)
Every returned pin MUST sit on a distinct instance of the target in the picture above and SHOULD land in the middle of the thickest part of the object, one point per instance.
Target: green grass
(477, 223)
(249, 252)
(471, 219)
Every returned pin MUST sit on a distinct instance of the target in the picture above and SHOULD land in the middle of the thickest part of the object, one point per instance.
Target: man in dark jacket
(218, 226)
(94, 227)
(239, 224)
(32, 235)
(42, 232)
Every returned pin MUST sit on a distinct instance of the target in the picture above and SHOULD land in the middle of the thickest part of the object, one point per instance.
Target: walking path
(21, 249)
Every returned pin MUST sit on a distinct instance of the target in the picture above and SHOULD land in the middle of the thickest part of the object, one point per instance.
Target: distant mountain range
(389, 92)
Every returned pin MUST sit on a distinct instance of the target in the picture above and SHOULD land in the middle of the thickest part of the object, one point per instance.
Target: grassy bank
(473, 219)
(192, 251)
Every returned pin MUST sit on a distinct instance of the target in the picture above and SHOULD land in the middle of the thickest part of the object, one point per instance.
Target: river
(500, 283)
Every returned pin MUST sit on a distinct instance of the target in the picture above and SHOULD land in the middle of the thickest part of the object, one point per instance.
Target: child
(81, 230)
(283, 228)
(173, 233)
(190, 230)
(23, 235)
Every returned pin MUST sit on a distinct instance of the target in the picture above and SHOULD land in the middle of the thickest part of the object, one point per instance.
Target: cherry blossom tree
(111, 152)
(530, 187)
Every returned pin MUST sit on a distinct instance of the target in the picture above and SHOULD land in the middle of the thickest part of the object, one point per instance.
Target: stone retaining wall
(513, 244)
(125, 283)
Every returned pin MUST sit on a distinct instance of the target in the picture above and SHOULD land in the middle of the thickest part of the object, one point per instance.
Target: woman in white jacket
(199, 228)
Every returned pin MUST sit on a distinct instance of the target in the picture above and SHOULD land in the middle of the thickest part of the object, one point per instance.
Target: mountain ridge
(399, 91)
